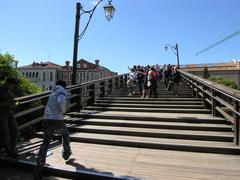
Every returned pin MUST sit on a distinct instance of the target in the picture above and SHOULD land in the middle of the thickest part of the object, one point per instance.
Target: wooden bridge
(194, 135)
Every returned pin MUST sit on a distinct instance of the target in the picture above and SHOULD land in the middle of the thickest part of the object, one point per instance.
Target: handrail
(31, 107)
(218, 98)
(217, 87)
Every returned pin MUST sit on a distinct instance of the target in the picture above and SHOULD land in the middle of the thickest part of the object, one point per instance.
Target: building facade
(87, 71)
(45, 74)
(229, 70)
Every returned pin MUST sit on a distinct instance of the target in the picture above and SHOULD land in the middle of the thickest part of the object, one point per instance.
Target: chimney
(97, 62)
(67, 63)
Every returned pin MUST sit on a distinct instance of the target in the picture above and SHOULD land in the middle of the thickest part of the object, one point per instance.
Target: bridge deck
(148, 163)
(140, 163)
(143, 163)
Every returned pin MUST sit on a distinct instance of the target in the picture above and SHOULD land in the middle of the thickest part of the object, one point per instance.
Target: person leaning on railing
(8, 126)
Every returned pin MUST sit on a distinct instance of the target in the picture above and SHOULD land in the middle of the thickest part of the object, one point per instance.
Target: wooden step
(149, 110)
(155, 117)
(149, 101)
(181, 106)
(155, 143)
(157, 133)
(151, 124)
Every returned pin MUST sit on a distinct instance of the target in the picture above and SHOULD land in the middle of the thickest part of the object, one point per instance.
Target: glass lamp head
(109, 11)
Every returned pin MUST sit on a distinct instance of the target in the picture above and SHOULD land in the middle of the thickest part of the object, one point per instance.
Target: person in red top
(152, 77)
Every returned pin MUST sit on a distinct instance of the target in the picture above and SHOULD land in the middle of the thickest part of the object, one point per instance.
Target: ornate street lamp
(175, 51)
(109, 12)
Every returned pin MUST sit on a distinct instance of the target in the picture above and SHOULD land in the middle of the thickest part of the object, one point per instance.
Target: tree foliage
(205, 72)
(7, 69)
(224, 81)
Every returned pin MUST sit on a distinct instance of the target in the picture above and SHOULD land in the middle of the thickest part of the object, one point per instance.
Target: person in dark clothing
(167, 73)
(8, 127)
(140, 78)
(175, 78)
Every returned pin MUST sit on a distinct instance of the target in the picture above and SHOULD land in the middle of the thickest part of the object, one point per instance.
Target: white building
(45, 74)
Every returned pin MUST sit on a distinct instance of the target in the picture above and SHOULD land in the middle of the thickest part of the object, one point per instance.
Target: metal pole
(178, 66)
(75, 48)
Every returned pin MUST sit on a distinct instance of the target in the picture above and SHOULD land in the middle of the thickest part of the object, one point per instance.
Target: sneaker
(66, 155)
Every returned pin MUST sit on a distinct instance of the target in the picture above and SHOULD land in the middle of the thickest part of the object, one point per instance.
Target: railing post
(110, 85)
(102, 89)
(204, 98)
(215, 103)
(236, 123)
(193, 91)
(121, 82)
(113, 85)
(106, 88)
(79, 100)
(197, 91)
(117, 83)
(91, 94)
(125, 80)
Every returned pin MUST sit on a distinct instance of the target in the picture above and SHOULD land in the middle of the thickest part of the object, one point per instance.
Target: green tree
(7, 69)
(205, 72)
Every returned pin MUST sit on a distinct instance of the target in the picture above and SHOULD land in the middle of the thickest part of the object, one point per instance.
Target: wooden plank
(28, 111)
(147, 163)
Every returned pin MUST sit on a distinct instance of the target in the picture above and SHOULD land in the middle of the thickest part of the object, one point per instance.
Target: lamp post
(109, 12)
(175, 51)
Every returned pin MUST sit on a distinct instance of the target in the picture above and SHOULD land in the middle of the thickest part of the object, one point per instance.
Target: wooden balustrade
(221, 100)
(31, 108)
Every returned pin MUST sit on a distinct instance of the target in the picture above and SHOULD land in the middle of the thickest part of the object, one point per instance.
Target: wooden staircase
(122, 137)
(168, 122)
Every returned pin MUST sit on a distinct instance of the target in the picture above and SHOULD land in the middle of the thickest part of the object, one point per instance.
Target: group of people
(144, 80)
(53, 120)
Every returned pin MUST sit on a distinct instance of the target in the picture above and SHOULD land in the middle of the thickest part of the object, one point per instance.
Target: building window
(23, 73)
(30, 74)
(51, 76)
(26, 74)
(91, 76)
(50, 87)
(33, 74)
(78, 65)
(84, 65)
(44, 76)
(36, 74)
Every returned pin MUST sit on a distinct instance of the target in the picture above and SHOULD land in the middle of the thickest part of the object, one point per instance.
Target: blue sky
(41, 30)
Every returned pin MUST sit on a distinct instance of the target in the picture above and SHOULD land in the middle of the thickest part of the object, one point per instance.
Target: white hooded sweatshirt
(57, 104)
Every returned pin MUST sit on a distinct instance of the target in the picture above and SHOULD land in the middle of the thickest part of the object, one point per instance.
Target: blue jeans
(49, 127)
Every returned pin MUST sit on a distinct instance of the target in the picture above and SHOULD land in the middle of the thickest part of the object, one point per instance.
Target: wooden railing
(31, 108)
(221, 100)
